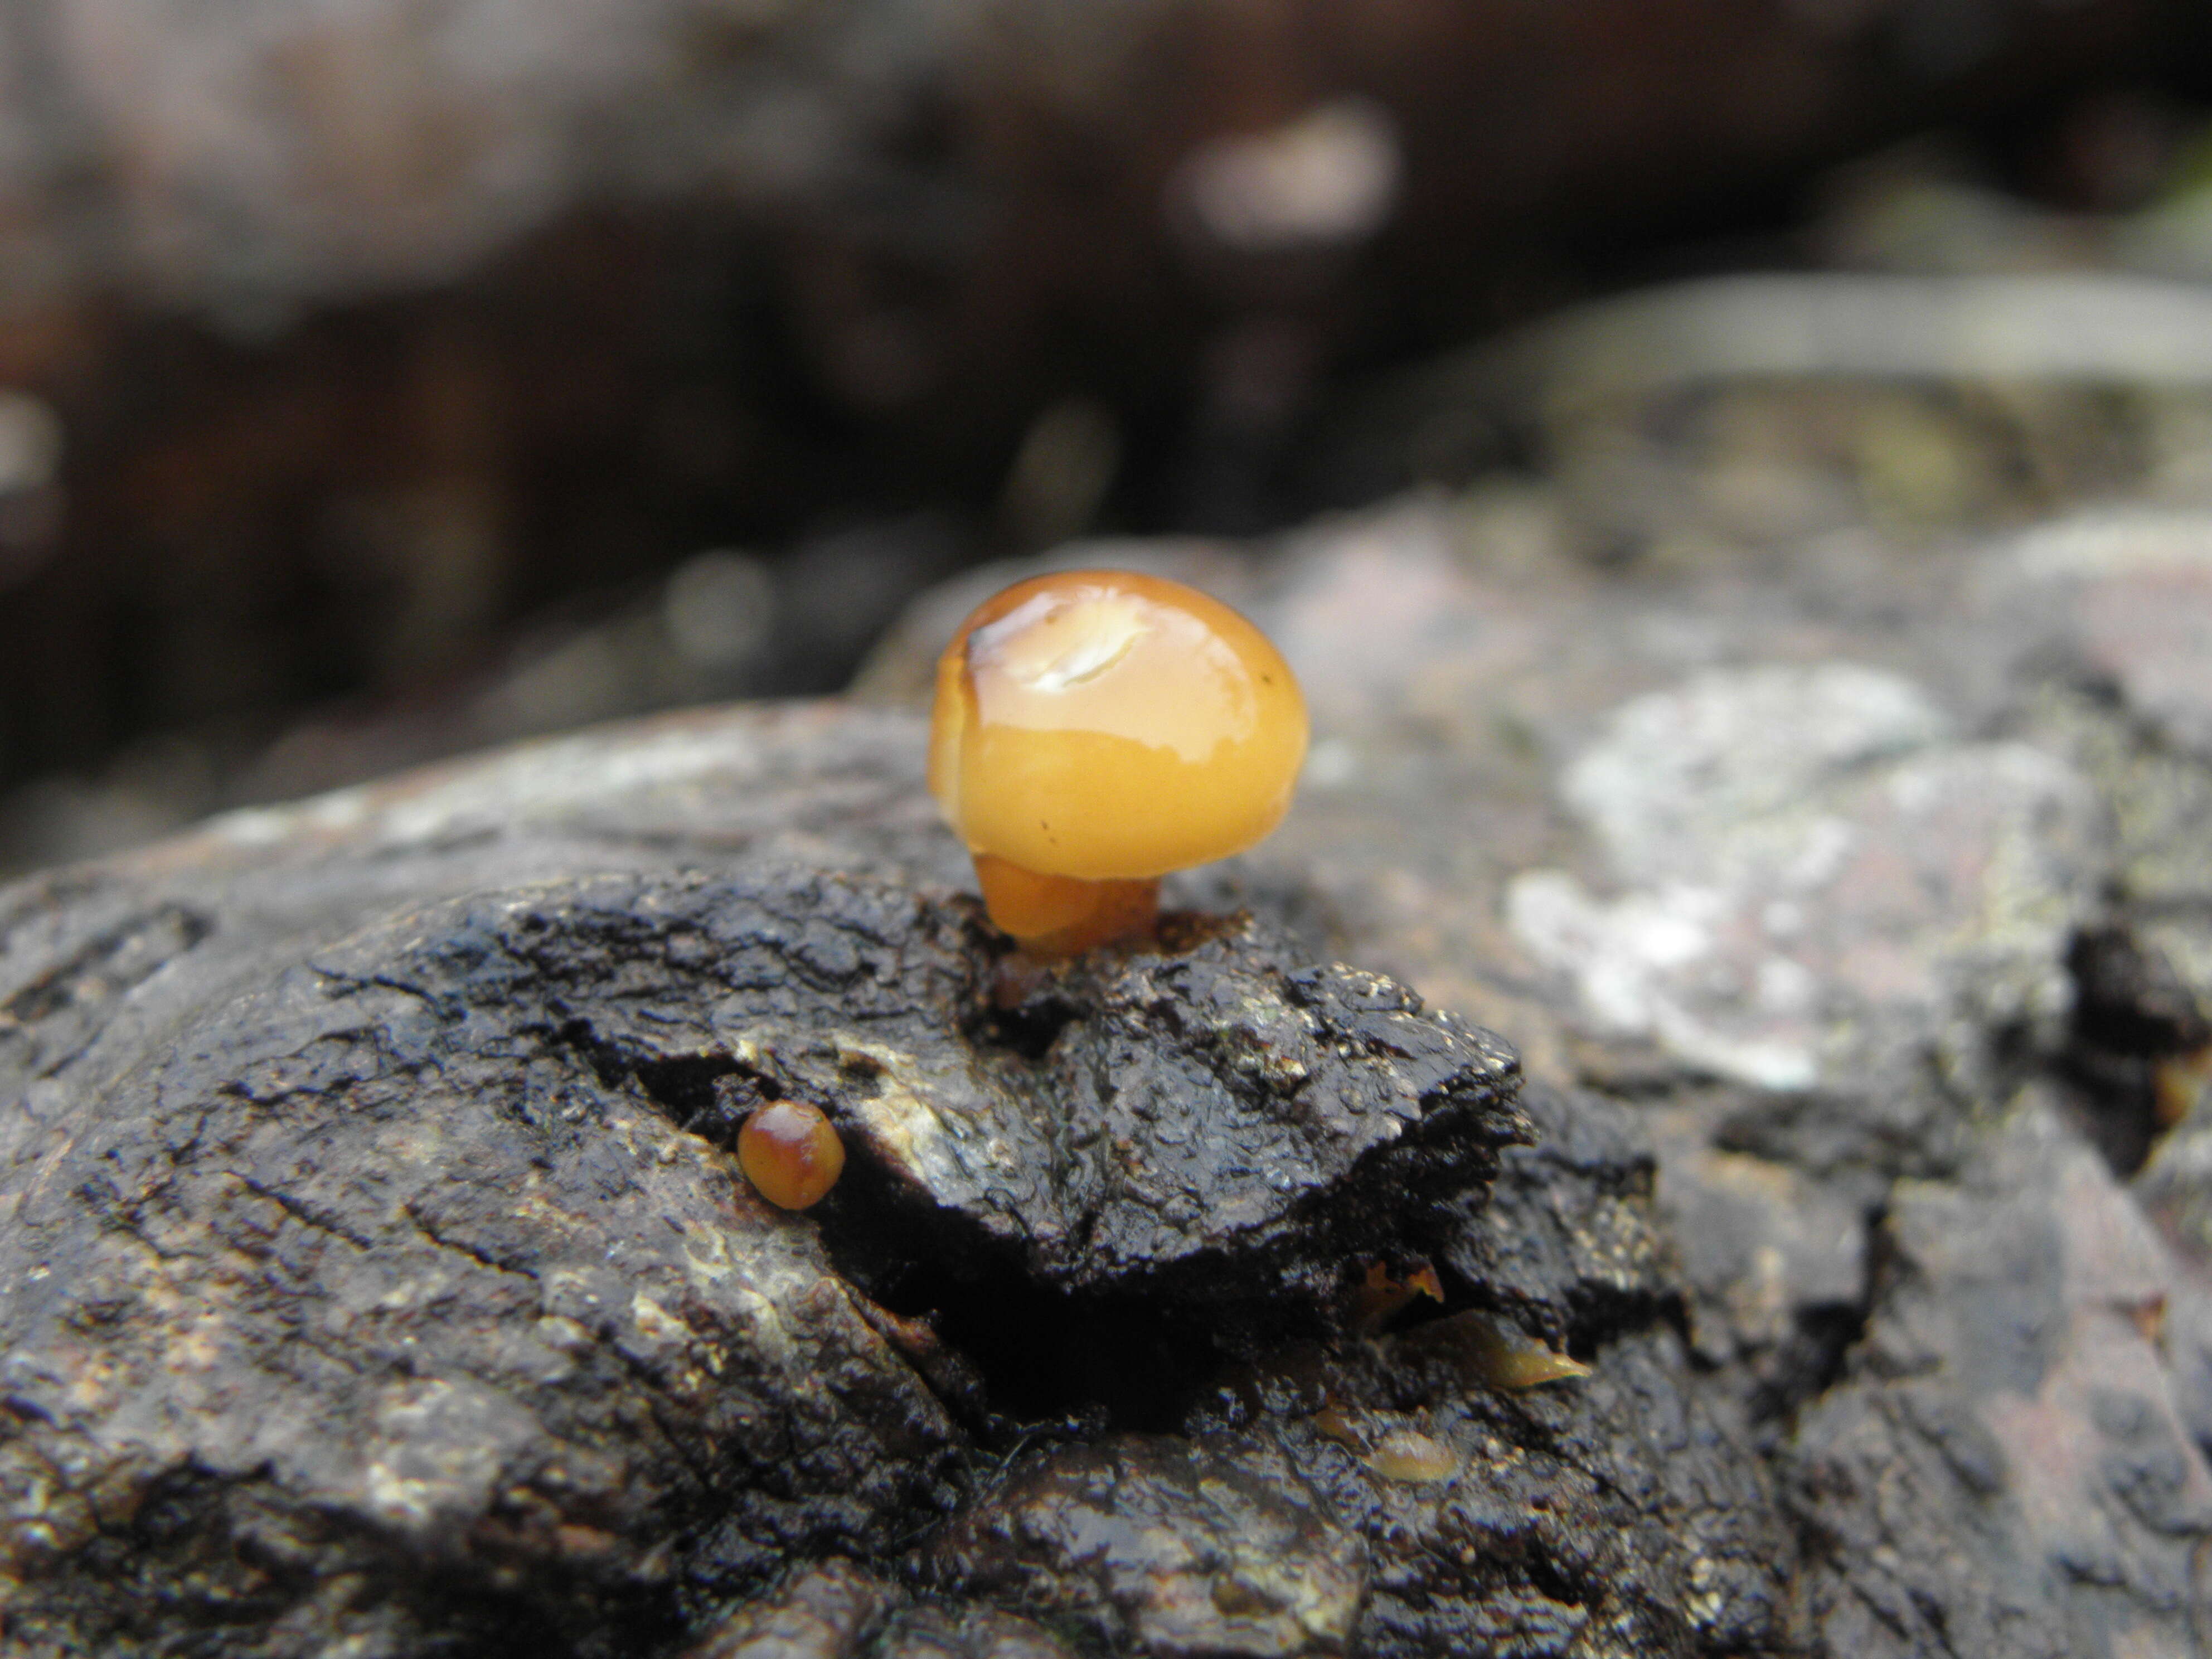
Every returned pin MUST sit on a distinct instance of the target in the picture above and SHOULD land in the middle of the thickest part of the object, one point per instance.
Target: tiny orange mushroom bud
(1415, 1458)
(790, 1154)
(1096, 729)
(1381, 1295)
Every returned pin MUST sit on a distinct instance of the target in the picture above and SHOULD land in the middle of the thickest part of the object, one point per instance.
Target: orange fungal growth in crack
(1096, 729)
(1412, 1457)
(1381, 1296)
(790, 1154)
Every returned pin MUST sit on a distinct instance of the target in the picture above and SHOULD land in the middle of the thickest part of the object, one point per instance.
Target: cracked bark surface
(379, 1273)
(376, 1279)
(1848, 904)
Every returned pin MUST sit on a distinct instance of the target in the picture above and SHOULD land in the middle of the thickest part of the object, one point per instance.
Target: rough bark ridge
(1851, 915)
(1869, 879)
(391, 1285)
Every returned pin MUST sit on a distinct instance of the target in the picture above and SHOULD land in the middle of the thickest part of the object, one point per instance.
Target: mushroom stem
(1065, 916)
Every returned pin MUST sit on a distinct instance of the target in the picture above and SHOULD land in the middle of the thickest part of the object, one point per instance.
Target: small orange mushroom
(1381, 1296)
(1417, 1459)
(790, 1154)
(1096, 729)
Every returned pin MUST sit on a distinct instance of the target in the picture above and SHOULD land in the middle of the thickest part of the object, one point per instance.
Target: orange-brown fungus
(1094, 730)
(1381, 1295)
(790, 1154)
(2176, 1083)
(1496, 1352)
(1415, 1458)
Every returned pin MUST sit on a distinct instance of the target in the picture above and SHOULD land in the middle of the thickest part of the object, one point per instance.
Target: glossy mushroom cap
(790, 1154)
(1110, 726)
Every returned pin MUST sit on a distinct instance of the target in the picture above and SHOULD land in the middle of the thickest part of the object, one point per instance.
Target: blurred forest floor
(381, 389)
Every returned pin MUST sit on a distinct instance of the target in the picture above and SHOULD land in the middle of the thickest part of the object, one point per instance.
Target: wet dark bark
(377, 1270)
(373, 1269)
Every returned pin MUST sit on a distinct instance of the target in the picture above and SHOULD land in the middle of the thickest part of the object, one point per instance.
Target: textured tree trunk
(1825, 1274)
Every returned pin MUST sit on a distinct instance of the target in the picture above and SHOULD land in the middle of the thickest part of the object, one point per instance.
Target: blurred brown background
(385, 378)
